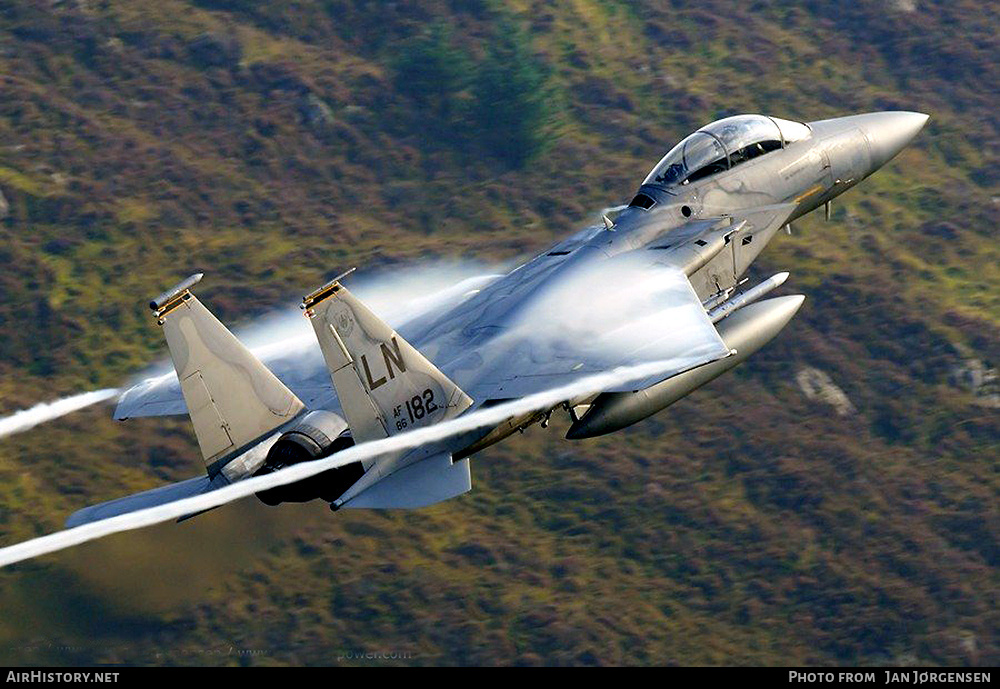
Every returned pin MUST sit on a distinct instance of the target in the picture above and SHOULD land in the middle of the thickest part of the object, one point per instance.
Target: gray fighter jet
(657, 281)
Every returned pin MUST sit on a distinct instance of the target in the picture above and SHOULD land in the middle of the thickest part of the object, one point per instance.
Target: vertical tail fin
(232, 398)
(385, 386)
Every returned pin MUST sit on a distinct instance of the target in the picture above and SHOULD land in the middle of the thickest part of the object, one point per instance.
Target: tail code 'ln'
(384, 385)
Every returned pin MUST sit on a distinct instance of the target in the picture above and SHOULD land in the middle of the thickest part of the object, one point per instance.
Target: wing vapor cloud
(399, 297)
(583, 311)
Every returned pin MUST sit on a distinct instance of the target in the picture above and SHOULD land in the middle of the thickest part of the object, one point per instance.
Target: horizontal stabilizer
(149, 498)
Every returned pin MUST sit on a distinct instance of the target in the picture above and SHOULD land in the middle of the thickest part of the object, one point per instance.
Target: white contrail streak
(481, 418)
(46, 411)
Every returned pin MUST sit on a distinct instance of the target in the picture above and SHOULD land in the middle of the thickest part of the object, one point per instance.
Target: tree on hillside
(511, 107)
(429, 69)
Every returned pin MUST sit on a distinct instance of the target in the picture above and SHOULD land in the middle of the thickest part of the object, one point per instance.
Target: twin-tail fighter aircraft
(660, 280)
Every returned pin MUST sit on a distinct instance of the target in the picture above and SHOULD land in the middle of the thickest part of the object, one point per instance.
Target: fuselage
(679, 249)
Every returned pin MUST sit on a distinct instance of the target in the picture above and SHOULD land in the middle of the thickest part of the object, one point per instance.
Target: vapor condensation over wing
(285, 340)
(478, 419)
(403, 296)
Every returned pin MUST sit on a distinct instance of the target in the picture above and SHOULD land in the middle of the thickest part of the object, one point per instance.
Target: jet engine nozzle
(319, 434)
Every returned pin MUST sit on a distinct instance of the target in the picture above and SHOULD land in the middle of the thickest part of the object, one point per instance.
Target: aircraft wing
(589, 305)
(562, 317)
(160, 396)
(612, 315)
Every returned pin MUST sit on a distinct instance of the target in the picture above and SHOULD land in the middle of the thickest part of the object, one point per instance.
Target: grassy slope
(747, 524)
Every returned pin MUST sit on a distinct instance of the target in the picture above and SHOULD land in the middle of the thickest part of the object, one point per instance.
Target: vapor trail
(492, 416)
(46, 411)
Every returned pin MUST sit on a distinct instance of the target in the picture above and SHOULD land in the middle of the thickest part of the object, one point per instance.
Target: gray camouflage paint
(708, 230)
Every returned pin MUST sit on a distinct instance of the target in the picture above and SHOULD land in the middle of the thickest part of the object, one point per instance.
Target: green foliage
(512, 109)
(434, 75)
(431, 70)
(501, 104)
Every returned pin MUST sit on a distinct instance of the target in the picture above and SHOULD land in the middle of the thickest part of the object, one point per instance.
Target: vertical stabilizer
(232, 398)
(384, 385)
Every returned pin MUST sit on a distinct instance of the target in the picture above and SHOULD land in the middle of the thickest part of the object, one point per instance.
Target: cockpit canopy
(722, 145)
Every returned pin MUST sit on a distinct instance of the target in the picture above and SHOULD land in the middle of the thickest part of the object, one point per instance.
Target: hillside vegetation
(273, 145)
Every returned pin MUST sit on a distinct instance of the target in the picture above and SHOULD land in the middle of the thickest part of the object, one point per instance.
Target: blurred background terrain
(834, 500)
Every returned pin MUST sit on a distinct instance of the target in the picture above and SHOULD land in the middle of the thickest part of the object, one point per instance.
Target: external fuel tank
(746, 331)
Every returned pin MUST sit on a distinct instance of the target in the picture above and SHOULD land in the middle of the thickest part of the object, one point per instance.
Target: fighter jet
(659, 280)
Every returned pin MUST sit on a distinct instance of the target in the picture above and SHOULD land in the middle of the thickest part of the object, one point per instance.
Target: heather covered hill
(833, 501)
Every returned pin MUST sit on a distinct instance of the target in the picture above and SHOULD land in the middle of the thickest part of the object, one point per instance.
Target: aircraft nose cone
(890, 132)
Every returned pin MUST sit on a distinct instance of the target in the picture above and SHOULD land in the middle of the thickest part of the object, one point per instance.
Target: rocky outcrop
(818, 386)
(980, 379)
(316, 113)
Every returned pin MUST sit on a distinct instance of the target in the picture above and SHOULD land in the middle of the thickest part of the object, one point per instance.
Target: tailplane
(150, 498)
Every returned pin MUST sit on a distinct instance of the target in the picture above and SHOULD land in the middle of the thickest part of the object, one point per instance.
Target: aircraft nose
(890, 132)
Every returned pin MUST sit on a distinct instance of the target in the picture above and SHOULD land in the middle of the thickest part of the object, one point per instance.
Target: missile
(746, 331)
(748, 297)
